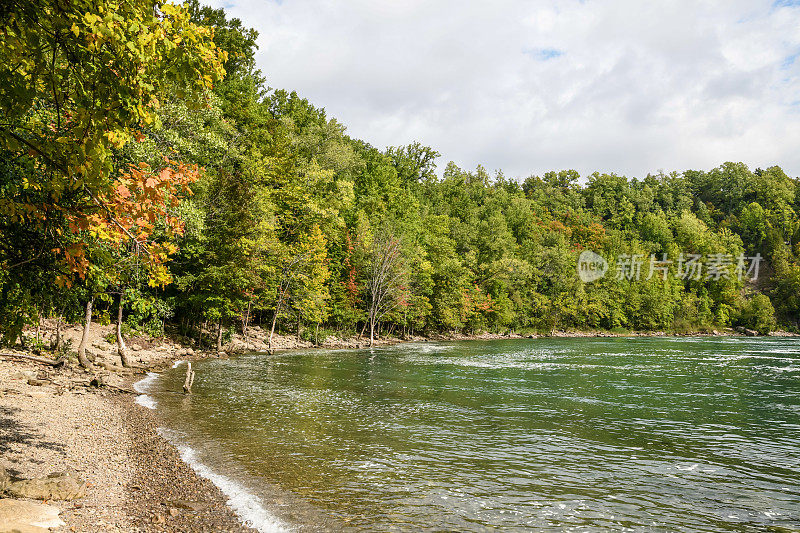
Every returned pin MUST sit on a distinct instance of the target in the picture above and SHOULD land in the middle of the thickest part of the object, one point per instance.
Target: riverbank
(134, 480)
(53, 420)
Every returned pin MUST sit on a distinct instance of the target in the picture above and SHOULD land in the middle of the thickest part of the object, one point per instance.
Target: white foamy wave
(145, 401)
(176, 364)
(247, 506)
(142, 386)
(431, 348)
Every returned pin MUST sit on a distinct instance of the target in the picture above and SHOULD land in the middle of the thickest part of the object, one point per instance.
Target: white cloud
(529, 86)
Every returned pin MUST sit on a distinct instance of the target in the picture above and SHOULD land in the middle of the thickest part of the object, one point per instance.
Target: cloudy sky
(626, 86)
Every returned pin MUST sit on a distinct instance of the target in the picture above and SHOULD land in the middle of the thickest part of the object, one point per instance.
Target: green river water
(640, 434)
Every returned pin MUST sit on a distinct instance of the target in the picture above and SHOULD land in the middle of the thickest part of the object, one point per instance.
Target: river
(699, 434)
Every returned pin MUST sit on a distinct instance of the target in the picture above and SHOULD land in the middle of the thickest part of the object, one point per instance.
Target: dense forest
(150, 175)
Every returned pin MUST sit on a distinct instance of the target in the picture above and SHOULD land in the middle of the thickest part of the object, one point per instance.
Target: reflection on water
(590, 434)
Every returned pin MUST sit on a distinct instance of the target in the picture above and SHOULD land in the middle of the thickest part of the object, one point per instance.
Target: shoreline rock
(56, 486)
(17, 516)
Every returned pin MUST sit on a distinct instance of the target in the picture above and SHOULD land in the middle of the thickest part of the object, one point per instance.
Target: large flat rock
(27, 517)
(52, 487)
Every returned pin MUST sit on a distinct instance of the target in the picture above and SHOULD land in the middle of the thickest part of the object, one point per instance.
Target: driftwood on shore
(100, 384)
(189, 381)
(52, 362)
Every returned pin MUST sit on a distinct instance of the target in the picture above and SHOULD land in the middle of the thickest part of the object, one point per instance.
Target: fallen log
(91, 385)
(52, 362)
(120, 389)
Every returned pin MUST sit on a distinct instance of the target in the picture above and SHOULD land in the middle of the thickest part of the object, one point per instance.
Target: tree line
(149, 173)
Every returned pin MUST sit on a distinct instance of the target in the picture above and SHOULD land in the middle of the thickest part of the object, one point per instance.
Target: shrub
(758, 314)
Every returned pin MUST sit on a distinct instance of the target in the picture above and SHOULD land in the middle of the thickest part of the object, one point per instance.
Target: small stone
(24, 374)
(190, 505)
(173, 512)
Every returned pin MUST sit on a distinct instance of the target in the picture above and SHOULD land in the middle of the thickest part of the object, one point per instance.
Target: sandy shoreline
(136, 480)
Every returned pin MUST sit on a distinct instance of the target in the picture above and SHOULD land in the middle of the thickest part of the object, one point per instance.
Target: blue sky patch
(544, 54)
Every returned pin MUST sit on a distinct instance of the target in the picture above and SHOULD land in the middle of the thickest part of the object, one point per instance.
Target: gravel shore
(136, 481)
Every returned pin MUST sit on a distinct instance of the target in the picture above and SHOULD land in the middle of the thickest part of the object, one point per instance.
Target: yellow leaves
(159, 276)
(122, 59)
(91, 19)
(171, 10)
(117, 138)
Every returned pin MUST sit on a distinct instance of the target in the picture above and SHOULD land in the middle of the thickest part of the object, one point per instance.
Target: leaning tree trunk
(84, 362)
(122, 349)
(219, 336)
(246, 322)
(274, 321)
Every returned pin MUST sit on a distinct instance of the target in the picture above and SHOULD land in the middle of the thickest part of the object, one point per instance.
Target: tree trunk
(122, 349)
(59, 340)
(219, 336)
(371, 333)
(272, 331)
(274, 321)
(189, 381)
(316, 335)
(298, 328)
(87, 324)
(246, 321)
